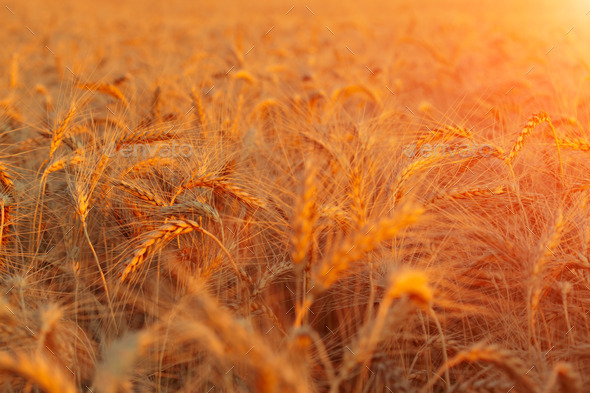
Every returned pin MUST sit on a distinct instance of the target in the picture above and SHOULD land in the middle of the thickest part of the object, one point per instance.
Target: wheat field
(295, 197)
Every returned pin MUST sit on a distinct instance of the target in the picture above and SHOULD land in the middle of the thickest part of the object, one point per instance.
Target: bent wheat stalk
(154, 240)
(105, 88)
(407, 172)
(220, 185)
(141, 193)
(533, 122)
(496, 357)
(144, 167)
(196, 207)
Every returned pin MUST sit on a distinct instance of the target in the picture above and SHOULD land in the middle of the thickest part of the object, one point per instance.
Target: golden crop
(294, 197)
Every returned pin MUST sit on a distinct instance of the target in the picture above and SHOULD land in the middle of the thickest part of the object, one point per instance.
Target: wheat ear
(356, 195)
(108, 89)
(141, 193)
(471, 193)
(61, 129)
(194, 206)
(5, 177)
(407, 172)
(57, 165)
(82, 199)
(533, 122)
(154, 240)
(493, 355)
(221, 185)
(5, 203)
(354, 247)
(144, 167)
(574, 144)
(37, 370)
(201, 116)
(444, 132)
(304, 220)
(153, 135)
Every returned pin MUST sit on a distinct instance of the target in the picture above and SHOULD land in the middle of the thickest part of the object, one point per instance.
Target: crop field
(320, 197)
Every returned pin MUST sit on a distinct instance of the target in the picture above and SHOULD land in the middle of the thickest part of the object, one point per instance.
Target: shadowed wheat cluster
(294, 197)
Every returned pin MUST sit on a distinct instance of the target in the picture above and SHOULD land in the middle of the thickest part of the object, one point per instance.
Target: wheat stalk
(10, 112)
(545, 250)
(5, 205)
(220, 185)
(356, 194)
(489, 354)
(343, 93)
(407, 172)
(270, 275)
(263, 109)
(5, 177)
(201, 118)
(471, 193)
(564, 377)
(258, 308)
(144, 167)
(355, 247)
(444, 132)
(200, 208)
(533, 122)
(38, 370)
(61, 129)
(98, 170)
(495, 152)
(82, 199)
(234, 133)
(524, 135)
(304, 220)
(154, 240)
(153, 135)
(48, 101)
(244, 75)
(14, 71)
(112, 373)
(107, 89)
(156, 107)
(141, 193)
(57, 165)
(574, 144)
(54, 166)
(108, 122)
